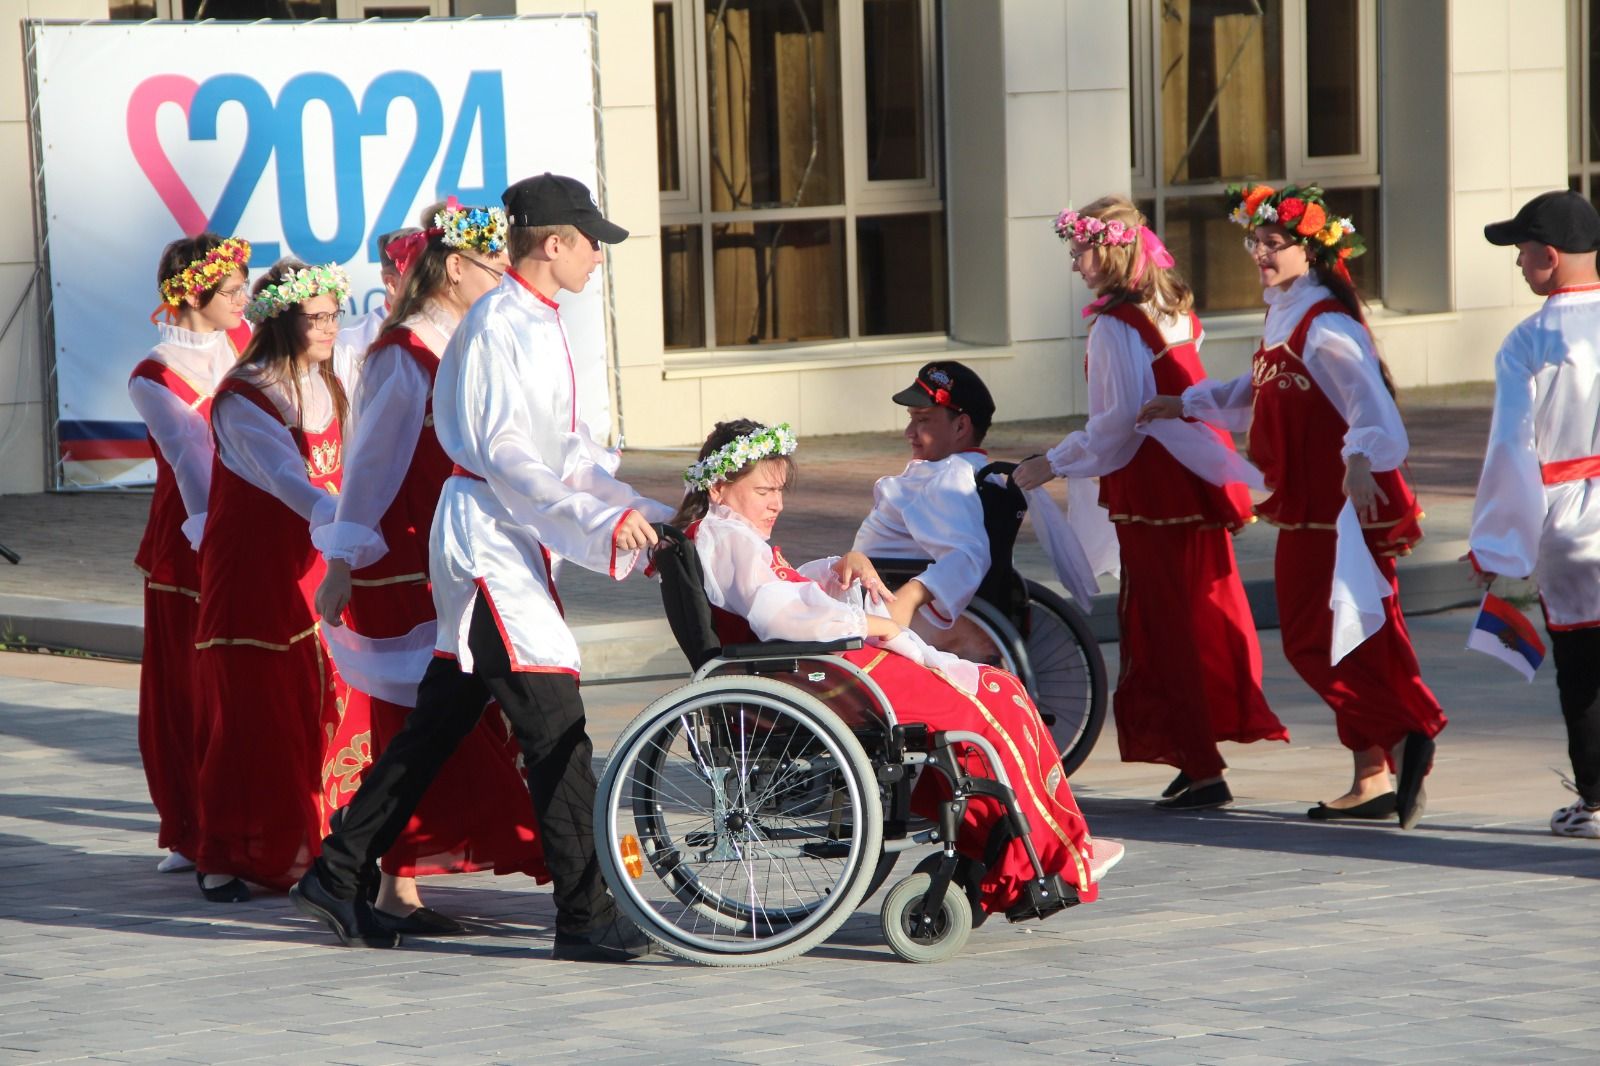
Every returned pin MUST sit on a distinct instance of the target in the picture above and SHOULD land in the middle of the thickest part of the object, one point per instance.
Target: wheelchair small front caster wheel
(916, 936)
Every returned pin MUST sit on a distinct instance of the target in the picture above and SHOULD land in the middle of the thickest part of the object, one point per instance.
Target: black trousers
(547, 716)
(1577, 656)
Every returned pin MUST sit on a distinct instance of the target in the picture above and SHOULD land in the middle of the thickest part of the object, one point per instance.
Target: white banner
(305, 139)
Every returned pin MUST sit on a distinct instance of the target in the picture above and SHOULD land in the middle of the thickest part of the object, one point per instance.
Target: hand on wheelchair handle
(634, 533)
(1033, 472)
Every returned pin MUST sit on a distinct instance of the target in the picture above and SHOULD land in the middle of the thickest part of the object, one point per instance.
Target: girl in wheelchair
(735, 495)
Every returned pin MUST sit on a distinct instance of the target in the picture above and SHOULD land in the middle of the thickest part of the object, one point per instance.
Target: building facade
(824, 194)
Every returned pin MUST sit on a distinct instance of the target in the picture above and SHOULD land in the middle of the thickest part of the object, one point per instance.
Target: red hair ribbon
(404, 250)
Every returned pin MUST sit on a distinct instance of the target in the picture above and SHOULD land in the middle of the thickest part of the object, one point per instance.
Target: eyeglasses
(325, 321)
(486, 268)
(1253, 246)
(236, 293)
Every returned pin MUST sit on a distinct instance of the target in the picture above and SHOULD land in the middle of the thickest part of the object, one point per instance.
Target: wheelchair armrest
(788, 649)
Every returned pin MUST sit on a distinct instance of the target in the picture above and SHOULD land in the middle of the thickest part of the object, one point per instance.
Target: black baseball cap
(1563, 219)
(946, 383)
(557, 200)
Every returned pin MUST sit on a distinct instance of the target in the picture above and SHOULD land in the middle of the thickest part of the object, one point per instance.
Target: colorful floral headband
(478, 229)
(205, 273)
(296, 288)
(1086, 229)
(739, 453)
(1300, 210)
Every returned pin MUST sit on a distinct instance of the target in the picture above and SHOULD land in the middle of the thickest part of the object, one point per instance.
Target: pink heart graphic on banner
(143, 104)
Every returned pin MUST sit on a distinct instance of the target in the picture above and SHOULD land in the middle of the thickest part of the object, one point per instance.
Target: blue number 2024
(280, 128)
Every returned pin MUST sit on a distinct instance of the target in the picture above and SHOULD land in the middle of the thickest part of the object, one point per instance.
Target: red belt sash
(1570, 470)
(457, 470)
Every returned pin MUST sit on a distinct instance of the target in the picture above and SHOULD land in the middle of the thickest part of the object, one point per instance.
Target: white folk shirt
(931, 511)
(505, 408)
(180, 431)
(260, 449)
(386, 420)
(1121, 381)
(1546, 411)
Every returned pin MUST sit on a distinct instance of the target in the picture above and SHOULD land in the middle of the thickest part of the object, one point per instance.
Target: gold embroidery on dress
(324, 459)
(1264, 373)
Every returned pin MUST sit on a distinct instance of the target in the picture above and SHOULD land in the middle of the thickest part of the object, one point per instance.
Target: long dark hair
(698, 501)
(276, 343)
(425, 278)
(1339, 283)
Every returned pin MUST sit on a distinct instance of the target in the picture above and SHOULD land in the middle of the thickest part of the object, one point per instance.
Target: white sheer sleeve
(260, 449)
(392, 404)
(946, 521)
(1120, 382)
(1225, 404)
(185, 440)
(1343, 363)
(740, 579)
(1509, 514)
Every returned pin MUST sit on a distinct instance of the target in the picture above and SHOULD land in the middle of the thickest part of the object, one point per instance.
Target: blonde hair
(524, 239)
(1161, 287)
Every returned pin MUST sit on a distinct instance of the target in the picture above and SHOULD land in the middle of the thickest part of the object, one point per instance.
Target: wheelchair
(743, 817)
(1032, 632)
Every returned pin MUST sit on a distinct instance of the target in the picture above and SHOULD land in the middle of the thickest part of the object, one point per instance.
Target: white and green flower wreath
(296, 288)
(739, 453)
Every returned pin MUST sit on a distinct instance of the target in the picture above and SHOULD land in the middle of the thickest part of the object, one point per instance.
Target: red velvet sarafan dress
(171, 733)
(1296, 437)
(1000, 710)
(288, 739)
(476, 814)
(1190, 662)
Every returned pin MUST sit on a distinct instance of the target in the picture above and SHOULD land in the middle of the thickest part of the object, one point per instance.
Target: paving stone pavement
(1250, 936)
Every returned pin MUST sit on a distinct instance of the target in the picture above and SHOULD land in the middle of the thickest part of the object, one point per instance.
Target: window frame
(1360, 170)
(863, 198)
(1579, 167)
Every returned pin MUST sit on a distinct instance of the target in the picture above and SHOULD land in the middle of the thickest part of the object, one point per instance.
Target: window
(1268, 90)
(798, 168)
(1583, 114)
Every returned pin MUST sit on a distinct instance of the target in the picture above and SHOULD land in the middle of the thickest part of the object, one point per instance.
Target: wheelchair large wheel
(1069, 675)
(738, 821)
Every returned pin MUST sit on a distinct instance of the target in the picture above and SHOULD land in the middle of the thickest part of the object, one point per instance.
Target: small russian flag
(1505, 633)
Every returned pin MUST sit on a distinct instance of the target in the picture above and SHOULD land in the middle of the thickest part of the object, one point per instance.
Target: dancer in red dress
(203, 293)
(1190, 662)
(476, 815)
(1326, 433)
(287, 741)
(736, 496)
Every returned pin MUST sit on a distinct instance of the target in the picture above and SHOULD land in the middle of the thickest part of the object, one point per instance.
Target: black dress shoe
(348, 919)
(1375, 809)
(1204, 798)
(424, 921)
(1179, 784)
(1416, 759)
(617, 940)
(235, 891)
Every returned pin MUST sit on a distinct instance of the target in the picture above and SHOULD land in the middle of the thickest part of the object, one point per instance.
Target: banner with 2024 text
(307, 139)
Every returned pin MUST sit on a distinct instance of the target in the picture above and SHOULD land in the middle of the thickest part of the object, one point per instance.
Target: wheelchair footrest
(1042, 898)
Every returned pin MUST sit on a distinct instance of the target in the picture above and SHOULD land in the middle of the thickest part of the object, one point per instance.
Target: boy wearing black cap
(529, 485)
(1538, 506)
(931, 509)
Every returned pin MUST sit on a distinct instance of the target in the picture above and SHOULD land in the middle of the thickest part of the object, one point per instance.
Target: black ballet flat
(235, 891)
(1205, 798)
(1378, 808)
(1180, 784)
(1416, 759)
(424, 921)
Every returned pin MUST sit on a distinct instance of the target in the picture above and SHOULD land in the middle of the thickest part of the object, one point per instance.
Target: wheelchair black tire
(951, 926)
(720, 939)
(1079, 718)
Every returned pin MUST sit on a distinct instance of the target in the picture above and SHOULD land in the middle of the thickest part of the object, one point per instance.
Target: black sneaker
(618, 940)
(1199, 798)
(348, 919)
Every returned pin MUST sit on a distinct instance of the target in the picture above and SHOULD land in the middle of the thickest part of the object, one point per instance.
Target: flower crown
(479, 229)
(1302, 211)
(296, 288)
(204, 274)
(739, 453)
(1086, 229)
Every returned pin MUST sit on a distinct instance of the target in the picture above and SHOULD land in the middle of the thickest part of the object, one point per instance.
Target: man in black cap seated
(931, 509)
(1537, 511)
(529, 484)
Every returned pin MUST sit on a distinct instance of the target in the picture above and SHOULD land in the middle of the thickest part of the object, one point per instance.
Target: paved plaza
(1250, 936)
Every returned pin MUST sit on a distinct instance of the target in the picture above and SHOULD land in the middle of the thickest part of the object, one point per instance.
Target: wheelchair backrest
(683, 596)
(1003, 508)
